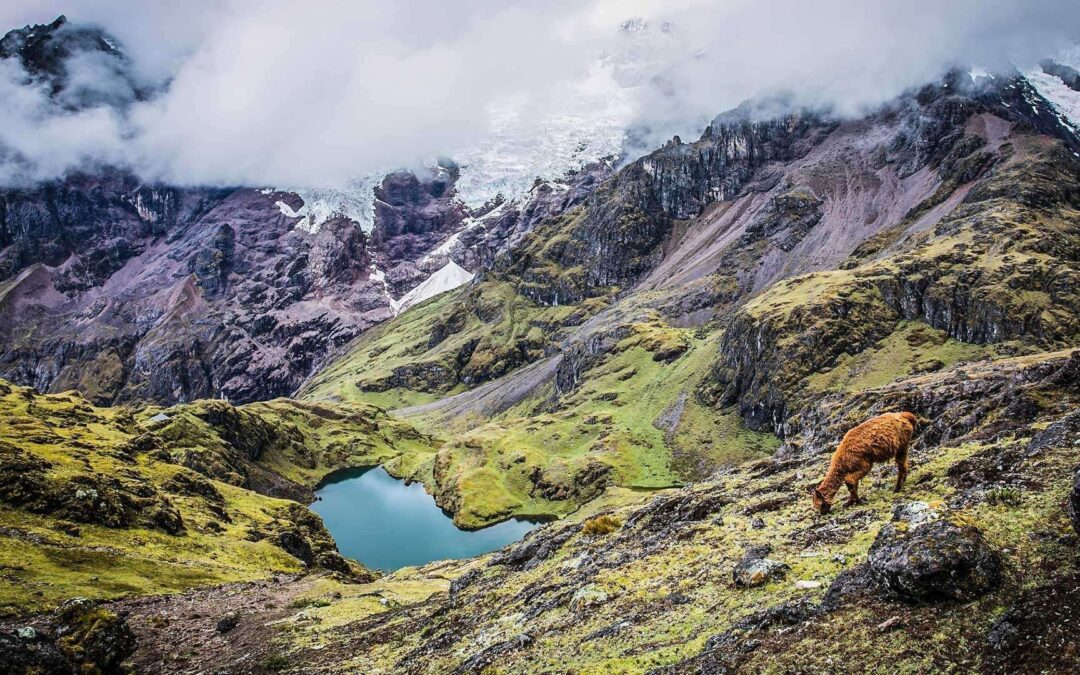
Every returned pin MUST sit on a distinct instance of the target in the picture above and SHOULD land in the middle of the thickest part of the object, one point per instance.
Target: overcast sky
(310, 92)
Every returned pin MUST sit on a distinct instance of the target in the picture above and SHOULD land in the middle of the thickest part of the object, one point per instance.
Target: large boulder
(92, 636)
(82, 637)
(925, 555)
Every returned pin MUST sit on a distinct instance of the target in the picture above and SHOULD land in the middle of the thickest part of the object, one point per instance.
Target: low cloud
(310, 93)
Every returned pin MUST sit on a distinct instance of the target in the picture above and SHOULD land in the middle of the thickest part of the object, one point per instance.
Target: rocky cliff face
(614, 238)
(1000, 268)
(79, 65)
(130, 292)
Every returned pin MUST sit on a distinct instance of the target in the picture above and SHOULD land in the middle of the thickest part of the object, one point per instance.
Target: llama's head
(822, 504)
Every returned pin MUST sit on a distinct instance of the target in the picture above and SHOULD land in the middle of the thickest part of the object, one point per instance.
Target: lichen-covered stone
(31, 652)
(91, 636)
(933, 559)
(754, 569)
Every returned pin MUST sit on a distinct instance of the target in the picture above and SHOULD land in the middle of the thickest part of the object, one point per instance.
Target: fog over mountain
(319, 93)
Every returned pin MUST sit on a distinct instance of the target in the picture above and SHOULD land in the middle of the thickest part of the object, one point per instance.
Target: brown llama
(880, 439)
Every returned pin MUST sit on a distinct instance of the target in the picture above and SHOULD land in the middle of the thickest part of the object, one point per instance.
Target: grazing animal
(879, 439)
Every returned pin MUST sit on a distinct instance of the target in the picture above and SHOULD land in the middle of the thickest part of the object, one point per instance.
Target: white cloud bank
(315, 92)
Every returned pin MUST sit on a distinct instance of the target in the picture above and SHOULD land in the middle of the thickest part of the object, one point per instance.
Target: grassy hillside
(104, 502)
(450, 343)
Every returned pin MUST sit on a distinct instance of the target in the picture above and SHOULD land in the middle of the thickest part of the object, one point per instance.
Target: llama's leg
(852, 483)
(901, 468)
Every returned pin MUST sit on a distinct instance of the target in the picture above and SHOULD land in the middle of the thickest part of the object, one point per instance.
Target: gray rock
(295, 545)
(756, 570)
(228, 622)
(915, 513)
(933, 560)
(29, 651)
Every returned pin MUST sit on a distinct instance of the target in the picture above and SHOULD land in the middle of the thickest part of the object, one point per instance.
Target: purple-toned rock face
(413, 215)
(133, 292)
(127, 291)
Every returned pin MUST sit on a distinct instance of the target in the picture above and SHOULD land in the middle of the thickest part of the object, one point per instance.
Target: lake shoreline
(387, 523)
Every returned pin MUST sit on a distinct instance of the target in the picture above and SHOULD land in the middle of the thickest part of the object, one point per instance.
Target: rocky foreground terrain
(659, 358)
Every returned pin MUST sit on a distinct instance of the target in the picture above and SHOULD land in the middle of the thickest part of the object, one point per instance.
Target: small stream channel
(386, 524)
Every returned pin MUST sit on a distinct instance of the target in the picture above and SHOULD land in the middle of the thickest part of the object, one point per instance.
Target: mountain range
(656, 352)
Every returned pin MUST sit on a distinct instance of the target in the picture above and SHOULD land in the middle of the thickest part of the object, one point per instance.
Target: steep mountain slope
(661, 356)
(795, 257)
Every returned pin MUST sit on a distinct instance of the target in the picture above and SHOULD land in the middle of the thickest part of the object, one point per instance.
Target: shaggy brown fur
(879, 439)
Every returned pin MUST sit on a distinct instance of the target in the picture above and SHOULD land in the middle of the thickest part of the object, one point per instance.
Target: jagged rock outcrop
(1069, 75)
(414, 214)
(210, 292)
(1002, 267)
(46, 52)
(613, 239)
(957, 403)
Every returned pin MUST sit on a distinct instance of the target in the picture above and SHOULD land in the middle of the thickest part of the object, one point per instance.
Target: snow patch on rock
(449, 277)
(354, 201)
(1065, 100)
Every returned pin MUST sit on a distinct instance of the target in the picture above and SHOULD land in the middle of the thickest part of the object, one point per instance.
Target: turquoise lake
(386, 524)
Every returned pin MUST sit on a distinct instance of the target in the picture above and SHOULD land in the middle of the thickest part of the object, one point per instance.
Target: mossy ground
(450, 343)
(632, 422)
(80, 521)
(301, 442)
(912, 348)
(45, 560)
